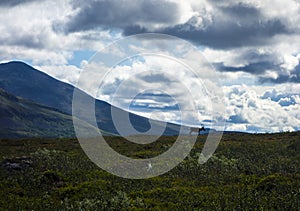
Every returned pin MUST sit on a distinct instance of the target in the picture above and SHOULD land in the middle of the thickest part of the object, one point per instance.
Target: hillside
(21, 118)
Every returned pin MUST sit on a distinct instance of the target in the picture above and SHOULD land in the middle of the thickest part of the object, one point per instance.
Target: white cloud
(30, 36)
(290, 62)
(66, 73)
(269, 112)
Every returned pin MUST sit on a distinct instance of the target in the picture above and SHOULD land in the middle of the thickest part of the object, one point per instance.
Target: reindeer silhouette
(196, 129)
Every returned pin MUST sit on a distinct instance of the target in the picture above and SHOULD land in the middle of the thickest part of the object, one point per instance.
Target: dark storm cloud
(254, 56)
(253, 68)
(130, 30)
(257, 63)
(12, 3)
(293, 77)
(120, 14)
(241, 11)
(231, 26)
(258, 68)
(37, 40)
(230, 34)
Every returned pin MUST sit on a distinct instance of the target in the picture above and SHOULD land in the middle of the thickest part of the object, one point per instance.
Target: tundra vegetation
(247, 172)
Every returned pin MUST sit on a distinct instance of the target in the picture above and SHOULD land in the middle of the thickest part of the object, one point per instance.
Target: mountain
(20, 79)
(20, 118)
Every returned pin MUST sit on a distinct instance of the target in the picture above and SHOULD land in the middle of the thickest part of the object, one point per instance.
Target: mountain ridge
(24, 81)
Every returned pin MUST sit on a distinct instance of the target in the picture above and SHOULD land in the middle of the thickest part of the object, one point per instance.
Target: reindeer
(196, 129)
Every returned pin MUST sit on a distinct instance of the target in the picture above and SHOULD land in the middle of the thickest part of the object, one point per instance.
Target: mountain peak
(20, 79)
(16, 63)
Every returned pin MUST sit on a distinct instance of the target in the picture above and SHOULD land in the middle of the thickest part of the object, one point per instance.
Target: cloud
(283, 99)
(239, 29)
(65, 73)
(148, 100)
(274, 64)
(120, 14)
(29, 35)
(292, 76)
(214, 24)
(254, 68)
(272, 111)
(245, 28)
(252, 31)
(12, 3)
(241, 10)
(226, 26)
(229, 34)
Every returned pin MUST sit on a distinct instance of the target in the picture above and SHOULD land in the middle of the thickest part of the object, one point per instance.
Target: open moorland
(247, 172)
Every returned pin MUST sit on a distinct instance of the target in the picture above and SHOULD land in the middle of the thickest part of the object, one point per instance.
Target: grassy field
(247, 172)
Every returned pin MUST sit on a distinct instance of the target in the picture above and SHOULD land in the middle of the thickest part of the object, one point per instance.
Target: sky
(248, 49)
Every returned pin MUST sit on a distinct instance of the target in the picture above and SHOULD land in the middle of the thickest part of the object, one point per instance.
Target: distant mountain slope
(23, 80)
(20, 118)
